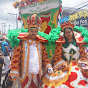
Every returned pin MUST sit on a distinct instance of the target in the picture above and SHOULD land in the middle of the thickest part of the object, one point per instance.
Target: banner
(49, 12)
(79, 18)
(40, 7)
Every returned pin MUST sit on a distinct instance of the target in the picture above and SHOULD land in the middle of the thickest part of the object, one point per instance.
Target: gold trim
(21, 80)
(58, 82)
(69, 51)
(39, 60)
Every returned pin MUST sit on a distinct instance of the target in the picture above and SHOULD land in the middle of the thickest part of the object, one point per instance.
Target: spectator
(1, 62)
(5, 50)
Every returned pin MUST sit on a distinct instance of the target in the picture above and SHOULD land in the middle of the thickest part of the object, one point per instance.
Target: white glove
(81, 64)
(50, 70)
(13, 77)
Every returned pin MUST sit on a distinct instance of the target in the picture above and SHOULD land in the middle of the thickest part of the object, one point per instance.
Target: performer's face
(68, 34)
(32, 33)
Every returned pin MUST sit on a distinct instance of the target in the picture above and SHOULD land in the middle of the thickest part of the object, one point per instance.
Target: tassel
(52, 87)
(45, 86)
(19, 18)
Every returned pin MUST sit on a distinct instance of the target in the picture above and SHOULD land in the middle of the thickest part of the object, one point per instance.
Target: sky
(73, 3)
(6, 6)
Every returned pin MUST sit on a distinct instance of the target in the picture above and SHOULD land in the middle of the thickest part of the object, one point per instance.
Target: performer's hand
(50, 70)
(65, 66)
(12, 77)
(82, 64)
(85, 68)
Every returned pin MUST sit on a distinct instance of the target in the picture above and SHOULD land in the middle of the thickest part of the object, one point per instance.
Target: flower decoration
(22, 3)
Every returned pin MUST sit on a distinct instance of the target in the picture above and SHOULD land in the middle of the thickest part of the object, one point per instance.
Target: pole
(9, 27)
(4, 28)
(16, 19)
(3, 31)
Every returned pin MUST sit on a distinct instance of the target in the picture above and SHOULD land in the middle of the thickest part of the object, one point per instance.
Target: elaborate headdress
(67, 24)
(34, 22)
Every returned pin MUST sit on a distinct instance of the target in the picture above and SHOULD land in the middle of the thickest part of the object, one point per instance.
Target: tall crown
(34, 21)
(67, 24)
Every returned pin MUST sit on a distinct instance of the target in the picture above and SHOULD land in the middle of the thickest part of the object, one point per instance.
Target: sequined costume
(30, 60)
(70, 52)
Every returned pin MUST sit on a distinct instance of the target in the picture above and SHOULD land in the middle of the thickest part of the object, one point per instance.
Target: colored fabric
(7, 63)
(20, 60)
(4, 44)
(32, 79)
(70, 51)
(33, 59)
(16, 84)
(74, 77)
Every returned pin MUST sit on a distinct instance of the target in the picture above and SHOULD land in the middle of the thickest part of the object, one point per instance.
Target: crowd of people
(5, 57)
(30, 60)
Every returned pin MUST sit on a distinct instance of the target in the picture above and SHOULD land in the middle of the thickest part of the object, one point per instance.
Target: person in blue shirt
(5, 50)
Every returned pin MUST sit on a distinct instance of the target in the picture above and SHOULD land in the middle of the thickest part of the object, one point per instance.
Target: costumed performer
(70, 56)
(30, 59)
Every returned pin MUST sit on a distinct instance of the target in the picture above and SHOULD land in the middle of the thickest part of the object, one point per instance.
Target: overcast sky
(6, 6)
(73, 3)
